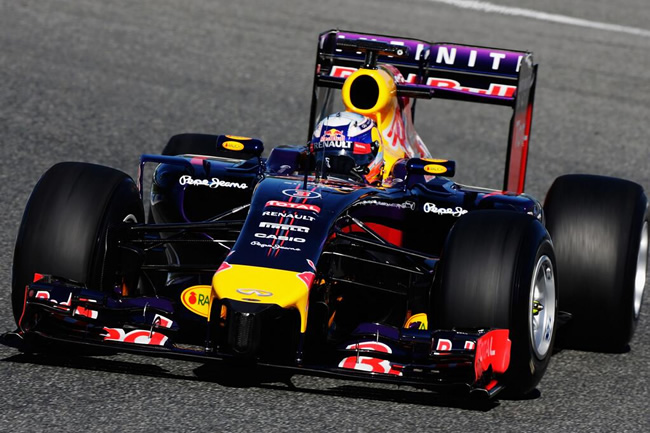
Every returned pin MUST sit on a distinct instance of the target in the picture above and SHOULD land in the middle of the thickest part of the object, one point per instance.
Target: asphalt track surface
(106, 81)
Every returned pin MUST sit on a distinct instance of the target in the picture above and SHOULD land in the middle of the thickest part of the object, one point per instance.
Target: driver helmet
(348, 145)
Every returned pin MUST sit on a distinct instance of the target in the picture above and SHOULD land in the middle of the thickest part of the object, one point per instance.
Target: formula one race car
(354, 256)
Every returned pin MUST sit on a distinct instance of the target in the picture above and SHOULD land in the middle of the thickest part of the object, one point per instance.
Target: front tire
(498, 271)
(64, 228)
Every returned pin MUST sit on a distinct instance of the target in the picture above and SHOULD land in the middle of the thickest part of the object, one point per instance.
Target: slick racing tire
(498, 270)
(192, 144)
(63, 232)
(599, 227)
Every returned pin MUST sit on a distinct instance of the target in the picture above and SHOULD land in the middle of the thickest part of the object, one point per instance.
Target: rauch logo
(197, 299)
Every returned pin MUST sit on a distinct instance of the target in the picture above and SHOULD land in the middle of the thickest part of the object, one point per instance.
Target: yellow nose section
(254, 284)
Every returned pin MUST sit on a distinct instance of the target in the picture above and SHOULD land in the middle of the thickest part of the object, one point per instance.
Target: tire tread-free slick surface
(596, 223)
(63, 230)
(486, 279)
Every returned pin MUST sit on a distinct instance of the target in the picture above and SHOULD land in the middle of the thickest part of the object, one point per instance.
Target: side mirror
(435, 167)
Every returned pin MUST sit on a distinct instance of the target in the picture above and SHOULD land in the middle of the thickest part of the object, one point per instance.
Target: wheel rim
(542, 307)
(641, 270)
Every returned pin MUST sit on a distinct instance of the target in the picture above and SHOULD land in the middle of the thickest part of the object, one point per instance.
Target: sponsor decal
(254, 292)
(332, 134)
(494, 89)
(273, 246)
(232, 145)
(280, 238)
(492, 349)
(311, 264)
(301, 193)
(406, 205)
(139, 336)
(42, 295)
(342, 71)
(82, 311)
(162, 321)
(471, 57)
(444, 345)
(455, 212)
(368, 363)
(435, 168)
(289, 205)
(470, 345)
(417, 321)
(288, 227)
(197, 299)
(225, 265)
(288, 215)
(66, 303)
(211, 183)
(333, 145)
(361, 148)
(306, 277)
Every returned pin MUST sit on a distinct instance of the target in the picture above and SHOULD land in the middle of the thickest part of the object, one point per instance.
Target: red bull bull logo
(332, 134)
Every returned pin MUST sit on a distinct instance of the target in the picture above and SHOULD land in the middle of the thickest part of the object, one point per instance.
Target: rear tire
(599, 227)
(64, 227)
(497, 267)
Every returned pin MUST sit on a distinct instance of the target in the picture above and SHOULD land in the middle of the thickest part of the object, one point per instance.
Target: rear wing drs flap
(440, 70)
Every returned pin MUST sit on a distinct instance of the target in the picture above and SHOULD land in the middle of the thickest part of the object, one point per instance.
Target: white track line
(542, 16)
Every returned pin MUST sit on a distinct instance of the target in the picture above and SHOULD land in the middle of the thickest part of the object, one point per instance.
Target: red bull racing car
(353, 256)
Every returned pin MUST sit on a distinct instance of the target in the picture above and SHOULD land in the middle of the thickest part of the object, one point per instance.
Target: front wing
(59, 313)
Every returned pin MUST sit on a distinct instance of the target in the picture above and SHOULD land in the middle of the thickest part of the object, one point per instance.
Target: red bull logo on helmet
(332, 139)
(332, 134)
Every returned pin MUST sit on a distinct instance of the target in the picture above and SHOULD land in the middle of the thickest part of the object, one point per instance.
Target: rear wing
(439, 70)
